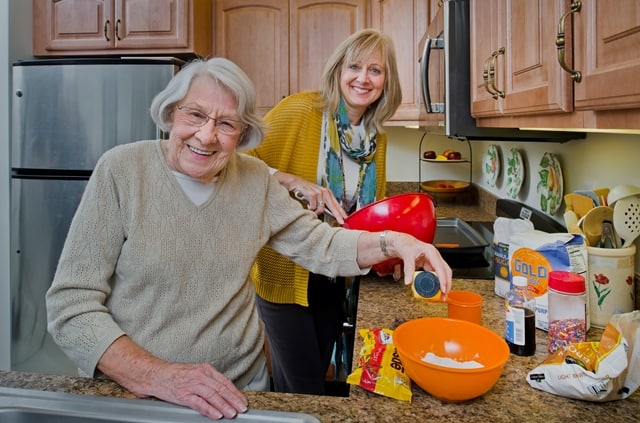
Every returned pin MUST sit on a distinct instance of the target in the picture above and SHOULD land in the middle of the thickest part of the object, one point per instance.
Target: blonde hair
(357, 47)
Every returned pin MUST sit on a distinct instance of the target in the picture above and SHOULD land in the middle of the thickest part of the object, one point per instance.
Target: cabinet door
(316, 29)
(514, 41)
(405, 21)
(256, 38)
(483, 42)
(72, 25)
(528, 72)
(607, 53)
(144, 24)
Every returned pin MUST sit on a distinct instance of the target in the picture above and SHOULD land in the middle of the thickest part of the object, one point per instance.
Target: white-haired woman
(152, 289)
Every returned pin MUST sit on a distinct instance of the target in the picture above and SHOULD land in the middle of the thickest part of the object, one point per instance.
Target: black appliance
(445, 82)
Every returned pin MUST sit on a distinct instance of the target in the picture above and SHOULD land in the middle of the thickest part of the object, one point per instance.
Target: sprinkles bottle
(567, 309)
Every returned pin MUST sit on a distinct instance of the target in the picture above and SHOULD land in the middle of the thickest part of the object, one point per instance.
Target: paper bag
(607, 370)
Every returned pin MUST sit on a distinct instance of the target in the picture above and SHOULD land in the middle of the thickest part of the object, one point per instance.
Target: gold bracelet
(383, 244)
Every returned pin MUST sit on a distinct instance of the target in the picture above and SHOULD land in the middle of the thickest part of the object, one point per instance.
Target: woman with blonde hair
(328, 148)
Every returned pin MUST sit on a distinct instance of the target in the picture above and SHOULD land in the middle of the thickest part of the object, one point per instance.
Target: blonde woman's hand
(318, 199)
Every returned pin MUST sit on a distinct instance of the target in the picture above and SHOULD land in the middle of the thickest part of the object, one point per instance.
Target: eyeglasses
(224, 126)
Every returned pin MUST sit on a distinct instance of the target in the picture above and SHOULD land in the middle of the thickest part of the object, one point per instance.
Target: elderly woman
(152, 289)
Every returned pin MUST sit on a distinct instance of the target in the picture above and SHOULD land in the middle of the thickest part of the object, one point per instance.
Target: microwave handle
(438, 43)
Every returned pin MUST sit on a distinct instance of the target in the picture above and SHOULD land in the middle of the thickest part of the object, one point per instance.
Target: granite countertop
(384, 303)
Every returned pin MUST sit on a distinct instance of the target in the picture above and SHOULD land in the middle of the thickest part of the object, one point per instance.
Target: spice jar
(426, 286)
(567, 309)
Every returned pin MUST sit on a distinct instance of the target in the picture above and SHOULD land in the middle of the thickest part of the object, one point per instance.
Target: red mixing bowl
(412, 213)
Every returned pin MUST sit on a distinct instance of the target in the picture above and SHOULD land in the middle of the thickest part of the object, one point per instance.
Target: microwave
(445, 83)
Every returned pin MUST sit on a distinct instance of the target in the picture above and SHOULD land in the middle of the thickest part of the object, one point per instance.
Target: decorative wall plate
(491, 165)
(550, 185)
(514, 173)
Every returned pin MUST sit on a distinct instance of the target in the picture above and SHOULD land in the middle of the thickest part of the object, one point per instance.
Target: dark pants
(301, 339)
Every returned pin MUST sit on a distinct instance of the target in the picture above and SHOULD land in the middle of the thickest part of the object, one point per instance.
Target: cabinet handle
(118, 22)
(485, 76)
(107, 23)
(560, 41)
(492, 73)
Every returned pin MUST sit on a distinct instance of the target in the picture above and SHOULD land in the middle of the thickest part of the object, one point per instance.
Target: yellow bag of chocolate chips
(379, 367)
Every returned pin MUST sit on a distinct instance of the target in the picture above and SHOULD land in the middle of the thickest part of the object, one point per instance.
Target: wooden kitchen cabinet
(283, 45)
(121, 27)
(514, 70)
(529, 88)
(405, 21)
(607, 54)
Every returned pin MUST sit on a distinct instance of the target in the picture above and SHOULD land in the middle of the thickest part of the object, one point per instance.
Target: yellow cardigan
(292, 145)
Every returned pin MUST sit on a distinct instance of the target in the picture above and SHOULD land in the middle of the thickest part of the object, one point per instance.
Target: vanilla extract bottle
(520, 306)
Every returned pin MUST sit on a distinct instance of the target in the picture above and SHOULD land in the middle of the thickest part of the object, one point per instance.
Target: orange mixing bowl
(456, 339)
(411, 213)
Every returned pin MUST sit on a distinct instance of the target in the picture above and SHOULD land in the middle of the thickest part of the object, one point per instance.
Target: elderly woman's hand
(374, 247)
(200, 387)
(197, 386)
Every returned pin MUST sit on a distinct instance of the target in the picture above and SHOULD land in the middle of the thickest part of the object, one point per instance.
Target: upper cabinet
(513, 58)
(283, 45)
(405, 21)
(555, 64)
(607, 55)
(121, 27)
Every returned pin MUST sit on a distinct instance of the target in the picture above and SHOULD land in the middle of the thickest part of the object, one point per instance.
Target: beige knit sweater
(141, 259)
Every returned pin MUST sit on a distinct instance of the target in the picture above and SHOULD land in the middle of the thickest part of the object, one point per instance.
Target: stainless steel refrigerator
(65, 114)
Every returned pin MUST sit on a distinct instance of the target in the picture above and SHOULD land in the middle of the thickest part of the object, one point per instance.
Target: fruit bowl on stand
(443, 188)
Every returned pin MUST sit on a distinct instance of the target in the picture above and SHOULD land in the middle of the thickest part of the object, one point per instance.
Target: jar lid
(426, 284)
(569, 282)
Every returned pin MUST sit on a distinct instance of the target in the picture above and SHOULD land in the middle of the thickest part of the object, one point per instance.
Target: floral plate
(551, 186)
(491, 165)
(514, 173)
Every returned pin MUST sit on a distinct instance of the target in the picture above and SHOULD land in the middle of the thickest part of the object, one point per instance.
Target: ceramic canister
(610, 281)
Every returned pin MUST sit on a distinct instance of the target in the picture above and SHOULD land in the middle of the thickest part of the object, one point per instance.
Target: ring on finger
(320, 204)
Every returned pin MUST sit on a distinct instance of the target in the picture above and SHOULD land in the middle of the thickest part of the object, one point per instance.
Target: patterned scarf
(339, 137)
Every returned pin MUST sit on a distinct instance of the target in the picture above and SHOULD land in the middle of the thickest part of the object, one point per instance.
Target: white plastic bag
(607, 370)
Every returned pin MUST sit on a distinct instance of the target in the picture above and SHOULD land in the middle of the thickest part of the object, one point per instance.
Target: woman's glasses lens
(197, 118)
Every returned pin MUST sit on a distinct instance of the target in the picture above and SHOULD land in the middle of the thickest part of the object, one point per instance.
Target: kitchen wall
(15, 43)
(599, 160)
(4, 185)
